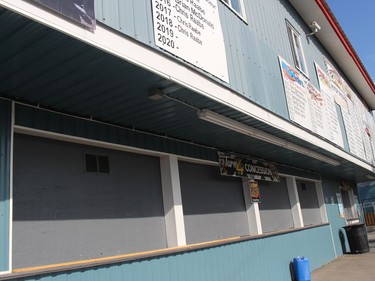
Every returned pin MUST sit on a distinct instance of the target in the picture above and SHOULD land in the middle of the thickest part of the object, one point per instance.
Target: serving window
(214, 206)
(63, 213)
(275, 209)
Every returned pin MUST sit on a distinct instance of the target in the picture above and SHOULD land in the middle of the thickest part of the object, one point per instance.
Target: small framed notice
(254, 191)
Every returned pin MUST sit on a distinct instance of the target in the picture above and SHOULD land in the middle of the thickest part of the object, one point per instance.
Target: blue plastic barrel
(301, 269)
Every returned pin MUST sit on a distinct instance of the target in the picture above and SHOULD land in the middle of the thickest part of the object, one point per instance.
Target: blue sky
(357, 18)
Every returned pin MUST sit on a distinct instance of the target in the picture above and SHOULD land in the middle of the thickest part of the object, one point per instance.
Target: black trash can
(357, 238)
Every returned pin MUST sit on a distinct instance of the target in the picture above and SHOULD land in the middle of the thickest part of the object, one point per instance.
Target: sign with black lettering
(239, 166)
(191, 30)
(81, 11)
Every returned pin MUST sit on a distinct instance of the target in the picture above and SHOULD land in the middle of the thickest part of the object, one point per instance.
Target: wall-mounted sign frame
(81, 11)
(191, 30)
(235, 165)
(254, 191)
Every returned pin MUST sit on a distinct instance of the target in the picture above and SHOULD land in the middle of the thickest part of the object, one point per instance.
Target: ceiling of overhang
(47, 68)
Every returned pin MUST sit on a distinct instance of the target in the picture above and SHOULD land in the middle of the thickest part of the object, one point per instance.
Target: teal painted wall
(330, 188)
(252, 46)
(262, 259)
(5, 146)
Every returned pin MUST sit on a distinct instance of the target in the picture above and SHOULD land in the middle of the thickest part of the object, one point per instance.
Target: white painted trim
(11, 189)
(352, 202)
(301, 178)
(294, 202)
(151, 59)
(172, 201)
(10, 253)
(252, 210)
(333, 240)
(322, 205)
(296, 55)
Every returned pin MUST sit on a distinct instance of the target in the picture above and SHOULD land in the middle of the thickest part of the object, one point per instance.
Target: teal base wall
(262, 259)
(5, 146)
(330, 188)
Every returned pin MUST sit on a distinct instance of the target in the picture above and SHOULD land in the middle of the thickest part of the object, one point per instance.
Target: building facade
(178, 140)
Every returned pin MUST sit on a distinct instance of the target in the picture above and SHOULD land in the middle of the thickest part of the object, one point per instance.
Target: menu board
(369, 152)
(296, 95)
(370, 130)
(355, 114)
(333, 132)
(316, 104)
(191, 30)
(310, 107)
(316, 109)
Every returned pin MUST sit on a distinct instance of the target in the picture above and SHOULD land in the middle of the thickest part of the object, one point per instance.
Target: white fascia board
(151, 59)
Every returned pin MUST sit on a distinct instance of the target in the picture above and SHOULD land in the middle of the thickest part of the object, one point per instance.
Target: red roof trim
(332, 20)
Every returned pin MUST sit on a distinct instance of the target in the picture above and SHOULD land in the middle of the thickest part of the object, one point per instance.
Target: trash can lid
(354, 225)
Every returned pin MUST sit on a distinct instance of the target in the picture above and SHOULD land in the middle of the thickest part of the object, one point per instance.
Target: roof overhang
(108, 78)
(333, 38)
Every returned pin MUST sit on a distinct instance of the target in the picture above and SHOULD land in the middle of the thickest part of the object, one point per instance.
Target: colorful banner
(240, 166)
(81, 11)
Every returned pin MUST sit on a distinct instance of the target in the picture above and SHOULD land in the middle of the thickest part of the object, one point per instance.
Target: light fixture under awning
(236, 126)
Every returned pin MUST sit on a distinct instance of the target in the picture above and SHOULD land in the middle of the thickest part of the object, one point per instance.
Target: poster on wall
(369, 128)
(333, 132)
(81, 11)
(296, 95)
(254, 191)
(319, 122)
(235, 165)
(340, 205)
(354, 113)
(191, 30)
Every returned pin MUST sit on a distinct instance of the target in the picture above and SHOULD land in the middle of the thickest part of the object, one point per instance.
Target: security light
(315, 27)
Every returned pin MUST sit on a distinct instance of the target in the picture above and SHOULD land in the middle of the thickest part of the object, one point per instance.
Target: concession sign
(240, 166)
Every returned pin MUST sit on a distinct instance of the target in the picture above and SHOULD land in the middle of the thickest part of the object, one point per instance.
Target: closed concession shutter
(309, 202)
(65, 211)
(275, 211)
(213, 205)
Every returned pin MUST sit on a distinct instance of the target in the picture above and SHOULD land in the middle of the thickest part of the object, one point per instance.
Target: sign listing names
(333, 132)
(191, 30)
(310, 107)
(296, 96)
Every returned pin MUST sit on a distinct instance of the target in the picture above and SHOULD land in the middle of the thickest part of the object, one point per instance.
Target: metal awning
(44, 67)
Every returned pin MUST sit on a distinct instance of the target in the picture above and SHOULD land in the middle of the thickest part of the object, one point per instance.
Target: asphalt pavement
(350, 267)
